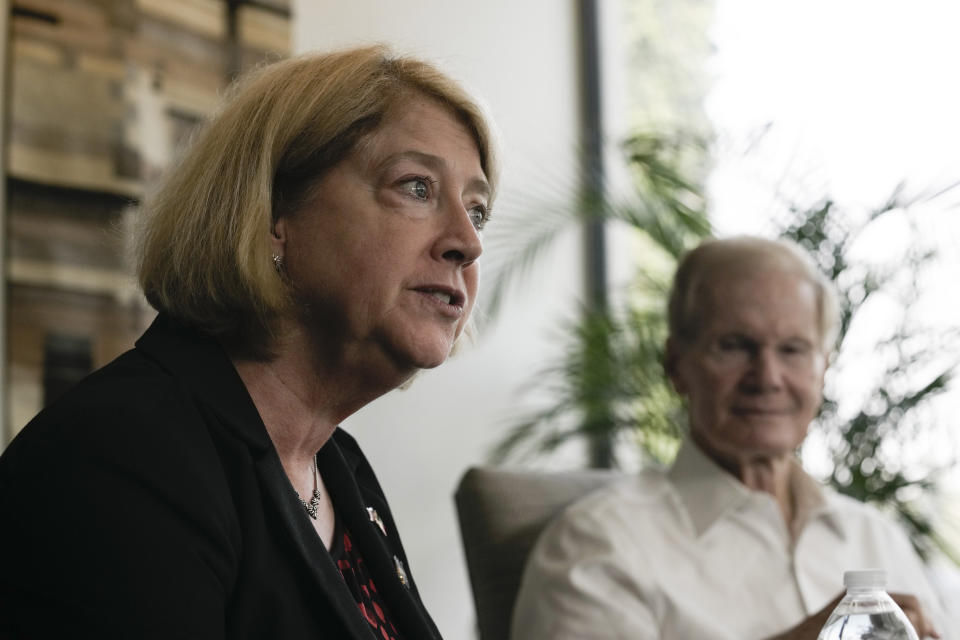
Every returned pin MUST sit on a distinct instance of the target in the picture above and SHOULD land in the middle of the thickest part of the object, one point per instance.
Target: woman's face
(383, 258)
(754, 375)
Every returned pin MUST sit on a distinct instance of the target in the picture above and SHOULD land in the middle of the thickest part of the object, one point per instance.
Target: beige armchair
(501, 514)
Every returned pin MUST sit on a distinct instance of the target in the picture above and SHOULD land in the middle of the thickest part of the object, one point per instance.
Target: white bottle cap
(865, 579)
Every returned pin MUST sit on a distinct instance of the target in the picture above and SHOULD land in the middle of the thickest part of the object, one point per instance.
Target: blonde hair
(745, 255)
(203, 248)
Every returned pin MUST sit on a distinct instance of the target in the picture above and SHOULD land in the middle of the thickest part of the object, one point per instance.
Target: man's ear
(823, 371)
(671, 365)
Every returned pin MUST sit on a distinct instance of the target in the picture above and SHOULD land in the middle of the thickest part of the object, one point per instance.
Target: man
(735, 541)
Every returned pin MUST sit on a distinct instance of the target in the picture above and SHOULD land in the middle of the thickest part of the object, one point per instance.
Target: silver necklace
(314, 505)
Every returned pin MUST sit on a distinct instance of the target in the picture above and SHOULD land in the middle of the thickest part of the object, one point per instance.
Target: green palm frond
(519, 244)
(608, 386)
(665, 206)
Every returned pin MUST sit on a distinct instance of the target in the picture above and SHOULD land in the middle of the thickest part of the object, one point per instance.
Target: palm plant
(608, 386)
(863, 443)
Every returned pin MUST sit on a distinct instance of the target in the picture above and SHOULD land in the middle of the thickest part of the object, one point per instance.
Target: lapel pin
(401, 572)
(375, 518)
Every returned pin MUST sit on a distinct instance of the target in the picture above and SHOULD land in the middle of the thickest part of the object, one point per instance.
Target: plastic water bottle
(867, 611)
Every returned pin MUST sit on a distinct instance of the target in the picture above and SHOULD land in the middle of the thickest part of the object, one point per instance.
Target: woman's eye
(418, 188)
(478, 216)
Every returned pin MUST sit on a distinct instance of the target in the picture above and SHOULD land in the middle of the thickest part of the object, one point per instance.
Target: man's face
(753, 376)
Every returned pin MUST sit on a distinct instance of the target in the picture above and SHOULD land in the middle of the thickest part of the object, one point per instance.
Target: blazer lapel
(210, 377)
(380, 550)
(316, 559)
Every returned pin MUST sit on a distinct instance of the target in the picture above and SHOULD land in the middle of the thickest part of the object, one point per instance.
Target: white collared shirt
(693, 554)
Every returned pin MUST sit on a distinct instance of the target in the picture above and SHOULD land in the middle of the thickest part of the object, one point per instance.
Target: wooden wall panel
(263, 30)
(101, 94)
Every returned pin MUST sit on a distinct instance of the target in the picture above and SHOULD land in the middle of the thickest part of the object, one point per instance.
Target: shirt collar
(708, 492)
(812, 501)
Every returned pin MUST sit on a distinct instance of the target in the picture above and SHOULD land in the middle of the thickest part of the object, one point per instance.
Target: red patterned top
(354, 572)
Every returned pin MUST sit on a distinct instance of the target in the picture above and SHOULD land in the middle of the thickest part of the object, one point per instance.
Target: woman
(314, 249)
(735, 541)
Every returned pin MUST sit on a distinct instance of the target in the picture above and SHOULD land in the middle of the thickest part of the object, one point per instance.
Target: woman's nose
(460, 239)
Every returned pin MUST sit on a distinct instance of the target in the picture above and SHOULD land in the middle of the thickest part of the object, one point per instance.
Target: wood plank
(37, 51)
(203, 16)
(73, 12)
(30, 199)
(66, 128)
(190, 98)
(41, 135)
(175, 66)
(278, 6)
(80, 105)
(118, 285)
(171, 40)
(103, 43)
(114, 69)
(78, 313)
(25, 390)
(262, 29)
(73, 170)
(67, 240)
(37, 312)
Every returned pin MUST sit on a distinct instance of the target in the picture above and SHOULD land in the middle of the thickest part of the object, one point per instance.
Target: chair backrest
(501, 514)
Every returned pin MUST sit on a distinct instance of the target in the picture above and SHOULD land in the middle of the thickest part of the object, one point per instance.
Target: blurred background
(629, 130)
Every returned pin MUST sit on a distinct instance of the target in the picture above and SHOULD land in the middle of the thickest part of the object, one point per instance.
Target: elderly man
(735, 541)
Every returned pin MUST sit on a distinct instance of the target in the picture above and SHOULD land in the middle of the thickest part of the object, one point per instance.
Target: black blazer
(149, 502)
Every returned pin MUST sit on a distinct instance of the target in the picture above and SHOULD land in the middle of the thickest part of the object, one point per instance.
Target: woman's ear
(278, 235)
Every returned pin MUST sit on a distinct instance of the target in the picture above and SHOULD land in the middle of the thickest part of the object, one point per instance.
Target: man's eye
(731, 343)
(418, 188)
(792, 349)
